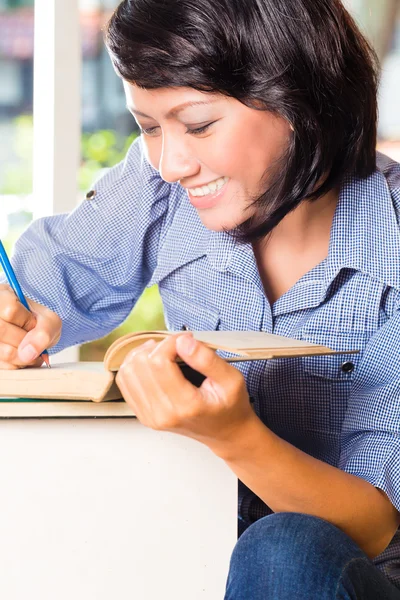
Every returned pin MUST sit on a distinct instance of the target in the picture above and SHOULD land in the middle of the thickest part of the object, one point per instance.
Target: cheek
(253, 145)
(222, 156)
(233, 152)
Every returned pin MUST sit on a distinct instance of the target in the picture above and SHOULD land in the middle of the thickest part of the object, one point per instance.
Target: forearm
(50, 275)
(288, 480)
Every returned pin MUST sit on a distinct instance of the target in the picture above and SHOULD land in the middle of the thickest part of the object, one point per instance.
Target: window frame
(56, 114)
(56, 106)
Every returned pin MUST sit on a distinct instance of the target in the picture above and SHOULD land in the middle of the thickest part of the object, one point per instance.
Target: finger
(152, 383)
(127, 386)
(142, 347)
(151, 372)
(50, 323)
(45, 334)
(12, 311)
(168, 375)
(133, 380)
(9, 358)
(32, 346)
(11, 334)
(154, 360)
(203, 359)
(164, 359)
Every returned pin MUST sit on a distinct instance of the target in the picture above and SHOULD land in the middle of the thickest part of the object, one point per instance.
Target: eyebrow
(174, 111)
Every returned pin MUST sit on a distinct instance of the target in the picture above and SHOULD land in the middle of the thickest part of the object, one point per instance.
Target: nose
(177, 161)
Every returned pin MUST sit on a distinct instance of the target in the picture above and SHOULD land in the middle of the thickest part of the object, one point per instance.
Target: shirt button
(185, 328)
(347, 367)
(90, 195)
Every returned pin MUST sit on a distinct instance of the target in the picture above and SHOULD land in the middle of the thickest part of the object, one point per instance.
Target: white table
(106, 509)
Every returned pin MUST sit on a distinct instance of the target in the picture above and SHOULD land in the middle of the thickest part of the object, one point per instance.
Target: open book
(96, 380)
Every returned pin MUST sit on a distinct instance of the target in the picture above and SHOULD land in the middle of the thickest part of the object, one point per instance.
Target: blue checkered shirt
(90, 266)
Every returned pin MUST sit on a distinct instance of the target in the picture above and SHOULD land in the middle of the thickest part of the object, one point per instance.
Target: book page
(248, 340)
(68, 381)
(248, 344)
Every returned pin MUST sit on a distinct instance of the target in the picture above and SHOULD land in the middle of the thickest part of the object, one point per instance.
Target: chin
(217, 225)
(218, 221)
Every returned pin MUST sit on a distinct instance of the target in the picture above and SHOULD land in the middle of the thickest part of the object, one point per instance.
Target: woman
(255, 200)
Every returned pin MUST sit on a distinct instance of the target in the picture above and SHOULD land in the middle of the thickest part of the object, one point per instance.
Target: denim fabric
(290, 556)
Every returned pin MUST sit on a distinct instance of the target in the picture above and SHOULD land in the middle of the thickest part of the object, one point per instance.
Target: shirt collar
(365, 232)
(365, 236)
(223, 253)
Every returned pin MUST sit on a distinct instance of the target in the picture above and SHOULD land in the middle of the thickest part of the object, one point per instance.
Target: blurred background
(107, 127)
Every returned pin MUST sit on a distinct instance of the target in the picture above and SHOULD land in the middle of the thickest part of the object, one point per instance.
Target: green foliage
(17, 178)
(147, 314)
(99, 150)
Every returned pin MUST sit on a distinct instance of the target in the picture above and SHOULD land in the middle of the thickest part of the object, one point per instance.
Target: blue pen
(13, 281)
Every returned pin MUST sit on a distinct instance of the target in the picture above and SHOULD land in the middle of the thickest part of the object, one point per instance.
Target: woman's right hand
(23, 334)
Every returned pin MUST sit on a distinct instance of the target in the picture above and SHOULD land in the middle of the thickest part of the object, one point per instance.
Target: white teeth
(210, 188)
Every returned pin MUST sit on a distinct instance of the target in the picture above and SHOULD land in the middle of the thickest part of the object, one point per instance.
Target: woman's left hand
(163, 399)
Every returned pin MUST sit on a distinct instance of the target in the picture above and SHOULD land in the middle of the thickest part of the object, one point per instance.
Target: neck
(308, 224)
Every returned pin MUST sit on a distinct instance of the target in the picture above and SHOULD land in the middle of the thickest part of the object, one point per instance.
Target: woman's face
(217, 148)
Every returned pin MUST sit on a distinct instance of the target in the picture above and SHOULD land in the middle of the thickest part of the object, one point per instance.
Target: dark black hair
(304, 60)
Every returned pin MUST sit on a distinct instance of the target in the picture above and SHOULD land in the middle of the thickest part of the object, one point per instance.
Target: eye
(150, 131)
(199, 130)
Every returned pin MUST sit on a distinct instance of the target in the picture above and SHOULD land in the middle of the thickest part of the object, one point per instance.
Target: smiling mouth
(211, 198)
(210, 188)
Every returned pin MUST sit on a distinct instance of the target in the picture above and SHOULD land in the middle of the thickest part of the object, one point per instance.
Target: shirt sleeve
(371, 431)
(91, 265)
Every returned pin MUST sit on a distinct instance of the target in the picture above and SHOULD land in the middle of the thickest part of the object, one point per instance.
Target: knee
(288, 555)
(293, 539)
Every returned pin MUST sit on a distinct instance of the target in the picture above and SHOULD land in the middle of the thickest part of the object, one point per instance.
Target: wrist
(242, 440)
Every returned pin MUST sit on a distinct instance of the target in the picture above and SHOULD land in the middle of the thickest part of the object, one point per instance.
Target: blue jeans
(290, 556)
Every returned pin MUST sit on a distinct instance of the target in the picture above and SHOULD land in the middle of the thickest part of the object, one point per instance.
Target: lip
(202, 202)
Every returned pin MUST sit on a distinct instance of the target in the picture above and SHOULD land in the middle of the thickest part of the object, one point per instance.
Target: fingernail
(186, 344)
(28, 354)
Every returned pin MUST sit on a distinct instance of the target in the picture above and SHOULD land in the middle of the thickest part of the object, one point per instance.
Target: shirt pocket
(335, 367)
(327, 380)
(183, 313)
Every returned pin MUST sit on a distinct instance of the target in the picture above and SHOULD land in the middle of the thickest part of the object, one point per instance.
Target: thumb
(32, 346)
(45, 334)
(201, 358)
